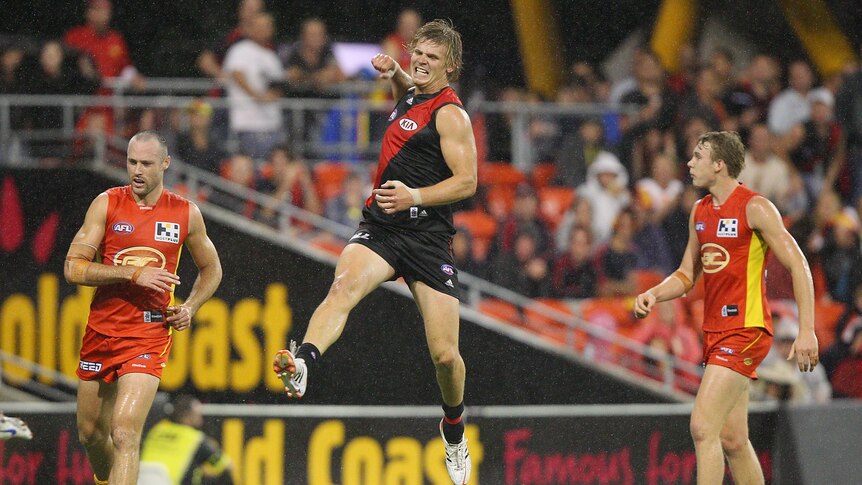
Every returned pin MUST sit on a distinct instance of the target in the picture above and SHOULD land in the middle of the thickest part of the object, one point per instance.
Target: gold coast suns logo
(140, 256)
(713, 258)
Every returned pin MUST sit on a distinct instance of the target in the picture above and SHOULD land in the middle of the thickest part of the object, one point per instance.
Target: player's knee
(342, 291)
(701, 429)
(733, 441)
(125, 437)
(90, 434)
(447, 357)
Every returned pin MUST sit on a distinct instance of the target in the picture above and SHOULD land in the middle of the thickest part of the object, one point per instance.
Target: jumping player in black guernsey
(427, 162)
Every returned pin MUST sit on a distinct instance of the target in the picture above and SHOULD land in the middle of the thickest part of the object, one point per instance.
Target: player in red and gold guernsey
(427, 162)
(136, 234)
(730, 232)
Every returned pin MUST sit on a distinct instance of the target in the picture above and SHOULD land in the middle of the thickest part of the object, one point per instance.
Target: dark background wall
(165, 36)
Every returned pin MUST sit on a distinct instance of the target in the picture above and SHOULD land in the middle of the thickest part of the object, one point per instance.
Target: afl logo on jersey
(140, 256)
(448, 269)
(713, 258)
(408, 125)
(123, 228)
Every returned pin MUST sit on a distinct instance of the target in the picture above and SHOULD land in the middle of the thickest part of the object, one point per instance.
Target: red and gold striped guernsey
(138, 236)
(734, 261)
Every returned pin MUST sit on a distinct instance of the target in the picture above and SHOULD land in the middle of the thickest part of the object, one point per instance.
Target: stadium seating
(329, 179)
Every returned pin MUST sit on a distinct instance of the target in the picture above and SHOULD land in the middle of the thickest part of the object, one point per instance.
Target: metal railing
(665, 374)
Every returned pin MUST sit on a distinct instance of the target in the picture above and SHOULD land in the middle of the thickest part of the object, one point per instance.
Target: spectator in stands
(649, 234)
(462, 252)
(574, 272)
(705, 100)
(577, 152)
(523, 270)
(197, 146)
(395, 44)
(840, 257)
(187, 453)
(764, 172)
(106, 46)
(210, 59)
(675, 224)
(579, 214)
(689, 131)
(606, 189)
(666, 331)
(347, 207)
(815, 225)
(848, 113)
(661, 191)
(657, 103)
(617, 259)
(239, 170)
(54, 72)
(524, 216)
(255, 72)
(312, 69)
(791, 107)
(500, 125)
(806, 387)
(819, 156)
(289, 181)
(682, 81)
(843, 360)
(721, 62)
(11, 57)
(749, 99)
(640, 146)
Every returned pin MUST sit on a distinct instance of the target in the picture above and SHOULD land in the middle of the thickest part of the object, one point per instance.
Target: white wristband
(414, 193)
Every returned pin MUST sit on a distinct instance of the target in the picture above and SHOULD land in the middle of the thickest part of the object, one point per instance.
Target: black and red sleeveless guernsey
(411, 153)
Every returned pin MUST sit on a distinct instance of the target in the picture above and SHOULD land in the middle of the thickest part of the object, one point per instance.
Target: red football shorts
(740, 350)
(108, 358)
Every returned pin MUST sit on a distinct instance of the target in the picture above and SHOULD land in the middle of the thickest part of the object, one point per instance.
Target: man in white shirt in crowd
(254, 72)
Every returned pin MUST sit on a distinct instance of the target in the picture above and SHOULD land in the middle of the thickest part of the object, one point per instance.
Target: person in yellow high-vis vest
(181, 449)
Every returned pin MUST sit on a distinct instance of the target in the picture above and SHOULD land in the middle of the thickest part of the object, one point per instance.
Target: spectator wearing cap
(805, 387)
(106, 46)
(197, 146)
(606, 190)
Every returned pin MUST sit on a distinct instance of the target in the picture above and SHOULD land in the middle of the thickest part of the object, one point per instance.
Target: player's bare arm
(206, 259)
(459, 152)
(766, 220)
(680, 281)
(80, 269)
(399, 79)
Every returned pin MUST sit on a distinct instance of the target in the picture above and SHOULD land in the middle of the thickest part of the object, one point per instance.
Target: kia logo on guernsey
(123, 228)
(408, 124)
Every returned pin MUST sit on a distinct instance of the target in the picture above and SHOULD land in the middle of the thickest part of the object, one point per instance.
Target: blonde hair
(443, 33)
(727, 146)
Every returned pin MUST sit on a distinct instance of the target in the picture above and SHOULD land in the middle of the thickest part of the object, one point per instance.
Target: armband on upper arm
(686, 282)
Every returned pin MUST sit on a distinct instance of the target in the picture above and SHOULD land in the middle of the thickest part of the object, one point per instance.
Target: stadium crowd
(600, 212)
